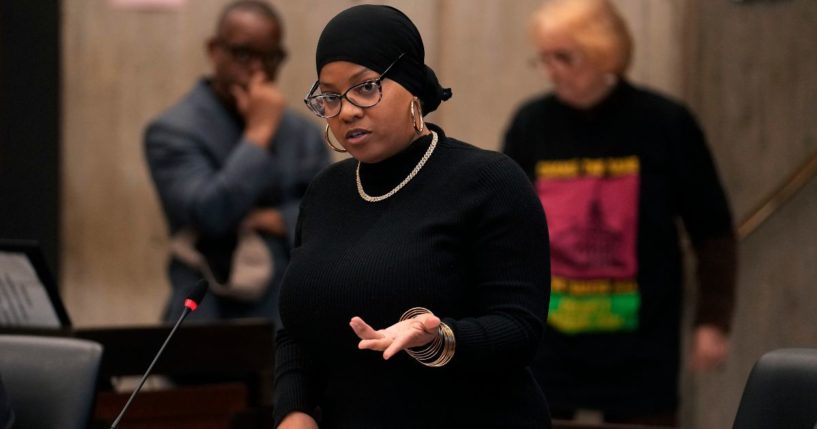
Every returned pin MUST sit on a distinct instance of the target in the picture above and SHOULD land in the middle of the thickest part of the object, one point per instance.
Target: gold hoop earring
(417, 129)
(329, 141)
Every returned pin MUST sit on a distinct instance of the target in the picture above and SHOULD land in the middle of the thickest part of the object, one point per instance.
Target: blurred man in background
(230, 163)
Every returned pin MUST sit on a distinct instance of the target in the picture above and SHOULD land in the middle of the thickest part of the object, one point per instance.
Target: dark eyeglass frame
(377, 82)
(244, 55)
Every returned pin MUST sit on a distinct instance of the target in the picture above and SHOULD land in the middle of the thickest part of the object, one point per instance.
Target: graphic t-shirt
(592, 206)
(615, 181)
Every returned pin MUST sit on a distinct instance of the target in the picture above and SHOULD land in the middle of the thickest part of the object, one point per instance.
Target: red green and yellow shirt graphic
(592, 209)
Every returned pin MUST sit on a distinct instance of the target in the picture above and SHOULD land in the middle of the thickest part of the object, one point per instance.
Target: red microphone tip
(192, 305)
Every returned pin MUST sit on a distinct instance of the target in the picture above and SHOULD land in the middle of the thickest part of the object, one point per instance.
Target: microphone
(190, 304)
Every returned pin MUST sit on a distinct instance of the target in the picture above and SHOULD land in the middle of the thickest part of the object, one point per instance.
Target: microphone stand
(190, 305)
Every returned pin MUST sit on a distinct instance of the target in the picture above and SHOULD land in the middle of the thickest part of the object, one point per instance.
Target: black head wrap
(375, 36)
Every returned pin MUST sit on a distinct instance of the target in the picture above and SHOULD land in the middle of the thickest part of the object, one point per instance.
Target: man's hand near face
(261, 104)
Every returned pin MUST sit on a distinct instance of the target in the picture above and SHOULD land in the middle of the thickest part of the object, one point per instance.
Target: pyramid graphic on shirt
(595, 245)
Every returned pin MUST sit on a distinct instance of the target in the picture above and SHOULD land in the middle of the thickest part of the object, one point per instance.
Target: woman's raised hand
(415, 332)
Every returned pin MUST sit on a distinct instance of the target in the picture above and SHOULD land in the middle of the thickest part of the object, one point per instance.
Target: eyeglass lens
(560, 57)
(365, 94)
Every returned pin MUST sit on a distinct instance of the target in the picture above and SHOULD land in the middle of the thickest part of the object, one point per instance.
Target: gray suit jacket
(209, 178)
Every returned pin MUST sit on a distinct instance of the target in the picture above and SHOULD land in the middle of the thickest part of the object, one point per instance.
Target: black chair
(50, 381)
(781, 392)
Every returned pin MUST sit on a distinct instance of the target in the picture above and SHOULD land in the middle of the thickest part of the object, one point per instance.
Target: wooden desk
(205, 407)
(223, 374)
(237, 347)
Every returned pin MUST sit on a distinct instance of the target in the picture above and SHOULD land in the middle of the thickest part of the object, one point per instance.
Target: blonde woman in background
(615, 167)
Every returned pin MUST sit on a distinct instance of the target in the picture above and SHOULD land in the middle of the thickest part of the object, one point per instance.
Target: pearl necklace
(374, 199)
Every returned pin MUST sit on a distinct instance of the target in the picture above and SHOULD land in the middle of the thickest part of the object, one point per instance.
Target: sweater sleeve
(511, 266)
(193, 192)
(716, 272)
(518, 143)
(707, 218)
(293, 379)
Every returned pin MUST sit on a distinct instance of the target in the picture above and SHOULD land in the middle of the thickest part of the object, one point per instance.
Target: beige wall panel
(484, 57)
(119, 69)
(752, 79)
(754, 85)
(656, 27)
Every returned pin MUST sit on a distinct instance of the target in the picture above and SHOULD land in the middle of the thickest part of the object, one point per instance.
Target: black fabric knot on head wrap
(374, 36)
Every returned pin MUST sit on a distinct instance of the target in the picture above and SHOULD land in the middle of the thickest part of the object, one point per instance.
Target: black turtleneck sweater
(466, 238)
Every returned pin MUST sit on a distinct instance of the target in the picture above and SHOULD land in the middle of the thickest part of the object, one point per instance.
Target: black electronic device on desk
(29, 298)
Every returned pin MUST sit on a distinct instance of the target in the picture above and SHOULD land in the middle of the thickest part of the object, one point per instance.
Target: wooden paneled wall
(751, 76)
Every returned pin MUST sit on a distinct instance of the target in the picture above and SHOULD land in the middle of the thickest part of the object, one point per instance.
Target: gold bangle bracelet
(449, 347)
(431, 350)
(414, 312)
(439, 351)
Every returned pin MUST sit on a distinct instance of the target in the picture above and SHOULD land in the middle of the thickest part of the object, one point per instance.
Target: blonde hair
(595, 25)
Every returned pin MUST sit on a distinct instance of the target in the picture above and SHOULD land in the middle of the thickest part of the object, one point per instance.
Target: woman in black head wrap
(425, 249)
(366, 55)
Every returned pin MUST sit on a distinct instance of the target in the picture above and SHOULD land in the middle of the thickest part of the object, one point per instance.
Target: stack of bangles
(438, 352)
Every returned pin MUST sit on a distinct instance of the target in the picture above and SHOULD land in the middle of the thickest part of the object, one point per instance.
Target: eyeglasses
(245, 55)
(365, 94)
(560, 57)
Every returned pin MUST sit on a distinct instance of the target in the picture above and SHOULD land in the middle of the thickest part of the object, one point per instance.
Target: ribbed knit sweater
(467, 239)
